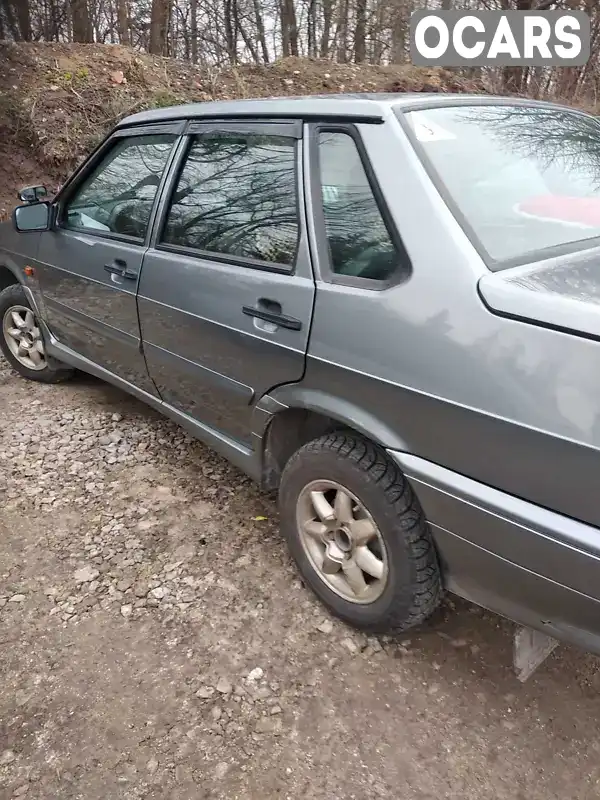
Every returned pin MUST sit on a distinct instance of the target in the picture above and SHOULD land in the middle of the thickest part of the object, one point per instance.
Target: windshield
(525, 178)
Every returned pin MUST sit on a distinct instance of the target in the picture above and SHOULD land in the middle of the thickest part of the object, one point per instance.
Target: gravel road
(155, 642)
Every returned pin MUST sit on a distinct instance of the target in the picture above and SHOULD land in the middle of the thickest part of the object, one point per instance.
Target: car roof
(357, 107)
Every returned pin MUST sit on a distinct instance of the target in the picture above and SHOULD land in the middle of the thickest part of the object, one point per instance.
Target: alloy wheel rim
(342, 541)
(23, 337)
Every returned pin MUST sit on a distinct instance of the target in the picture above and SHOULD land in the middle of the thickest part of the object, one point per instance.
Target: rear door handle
(281, 320)
(119, 267)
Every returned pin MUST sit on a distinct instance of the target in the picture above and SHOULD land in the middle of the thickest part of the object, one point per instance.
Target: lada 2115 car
(387, 308)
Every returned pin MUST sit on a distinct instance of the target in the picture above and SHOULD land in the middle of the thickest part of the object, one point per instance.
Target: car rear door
(89, 263)
(226, 291)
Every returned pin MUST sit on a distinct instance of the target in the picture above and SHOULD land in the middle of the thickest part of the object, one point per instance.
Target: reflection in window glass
(359, 242)
(524, 177)
(237, 196)
(118, 196)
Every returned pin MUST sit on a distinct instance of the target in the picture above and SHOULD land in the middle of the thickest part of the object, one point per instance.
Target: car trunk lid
(562, 293)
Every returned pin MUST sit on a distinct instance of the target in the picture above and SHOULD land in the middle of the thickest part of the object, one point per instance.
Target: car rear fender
(342, 411)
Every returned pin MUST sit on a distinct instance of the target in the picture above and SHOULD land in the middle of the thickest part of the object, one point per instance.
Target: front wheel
(21, 339)
(358, 534)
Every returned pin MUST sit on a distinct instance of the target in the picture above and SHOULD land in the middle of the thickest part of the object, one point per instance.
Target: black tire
(54, 371)
(413, 587)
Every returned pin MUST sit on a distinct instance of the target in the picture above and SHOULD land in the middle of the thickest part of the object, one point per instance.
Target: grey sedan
(386, 308)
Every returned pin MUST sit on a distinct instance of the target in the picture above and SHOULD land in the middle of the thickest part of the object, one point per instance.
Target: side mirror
(33, 217)
(33, 194)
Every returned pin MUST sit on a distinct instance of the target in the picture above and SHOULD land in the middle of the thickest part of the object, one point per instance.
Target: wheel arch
(8, 277)
(290, 417)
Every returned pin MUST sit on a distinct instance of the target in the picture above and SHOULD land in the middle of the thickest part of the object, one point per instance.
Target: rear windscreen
(524, 178)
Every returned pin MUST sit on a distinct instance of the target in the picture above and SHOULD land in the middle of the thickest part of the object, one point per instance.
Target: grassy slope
(57, 101)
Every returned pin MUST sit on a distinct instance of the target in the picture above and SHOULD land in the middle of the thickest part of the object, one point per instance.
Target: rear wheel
(21, 339)
(358, 535)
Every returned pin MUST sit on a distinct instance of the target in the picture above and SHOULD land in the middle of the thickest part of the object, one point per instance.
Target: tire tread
(378, 470)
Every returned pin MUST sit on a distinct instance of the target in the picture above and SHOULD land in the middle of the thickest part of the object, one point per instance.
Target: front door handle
(274, 317)
(119, 267)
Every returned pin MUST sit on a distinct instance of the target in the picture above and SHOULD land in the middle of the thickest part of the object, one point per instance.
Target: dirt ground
(156, 643)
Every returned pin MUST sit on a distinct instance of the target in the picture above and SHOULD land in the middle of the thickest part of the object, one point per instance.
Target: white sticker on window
(330, 194)
(427, 131)
(90, 222)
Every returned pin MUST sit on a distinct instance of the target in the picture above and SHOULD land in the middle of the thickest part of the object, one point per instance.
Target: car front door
(226, 291)
(89, 263)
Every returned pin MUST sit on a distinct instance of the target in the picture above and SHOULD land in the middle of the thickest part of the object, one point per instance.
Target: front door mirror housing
(33, 194)
(33, 217)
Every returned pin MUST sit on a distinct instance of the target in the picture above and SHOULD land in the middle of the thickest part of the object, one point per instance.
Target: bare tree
(81, 21)
(260, 30)
(328, 11)
(24, 17)
(123, 22)
(360, 31)
(159, 27)
(342, 30)
(289, 28)
(231, 29)
(194, 30)
(16, 18)
(399, 31)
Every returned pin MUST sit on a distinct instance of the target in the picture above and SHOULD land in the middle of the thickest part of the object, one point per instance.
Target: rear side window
(236, 197)
(118, 196)
(360, 244)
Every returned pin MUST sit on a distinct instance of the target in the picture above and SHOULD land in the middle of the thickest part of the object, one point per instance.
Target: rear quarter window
(359, 241)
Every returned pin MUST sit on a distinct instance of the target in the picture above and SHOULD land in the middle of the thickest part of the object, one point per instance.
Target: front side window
(236, 197)
(360, 245)
(525, 178)
(118, 195)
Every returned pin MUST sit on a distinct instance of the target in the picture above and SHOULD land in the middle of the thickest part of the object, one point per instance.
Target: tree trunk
(289, 28)
(172, 33)
(82, 24)
(513, 78)
(398, 53)
(260, 29)
(311, 20)
(568, 83)
(327, 23)
(360, 32)
(249, 44)
(11, 20)
(194, 30)
(236, 28)
(231, 30)
(285, 34)
(123, 22)
(53, 34)
(291, 13)
(376, 33)
(342, 32)
(90, 22)
(23, 15)
(159, 26)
